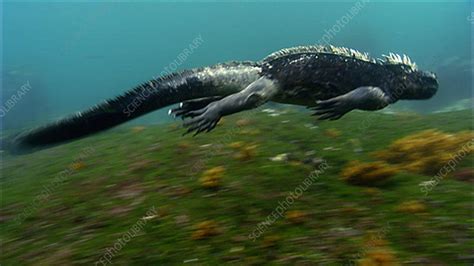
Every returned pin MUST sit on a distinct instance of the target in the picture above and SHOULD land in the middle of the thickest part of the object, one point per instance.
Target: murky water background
(74, 55)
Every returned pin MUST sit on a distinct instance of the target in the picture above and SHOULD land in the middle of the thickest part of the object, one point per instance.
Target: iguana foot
(188, 108)
(254, 95)
(332, 109)
(204, 119)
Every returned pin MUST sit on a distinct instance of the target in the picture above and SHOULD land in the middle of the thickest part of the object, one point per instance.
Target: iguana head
(409, 82)
(421, 85)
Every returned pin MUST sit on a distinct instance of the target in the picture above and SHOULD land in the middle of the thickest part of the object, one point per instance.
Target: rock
(331, 148)
(272, 112)
(315, 161)
(181, 219)
(205, 146)
(310, 126)
(268, 110)
(237, 249)
(280, 158)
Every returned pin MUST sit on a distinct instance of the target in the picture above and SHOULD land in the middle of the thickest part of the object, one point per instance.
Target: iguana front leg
(363, 98)
(256, 94)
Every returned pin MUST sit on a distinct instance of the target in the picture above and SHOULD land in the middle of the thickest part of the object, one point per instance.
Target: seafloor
(391, 189)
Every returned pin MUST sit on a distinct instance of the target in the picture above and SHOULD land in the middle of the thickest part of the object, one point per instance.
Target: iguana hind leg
(363, 98)
(185, 108)
(256, 94)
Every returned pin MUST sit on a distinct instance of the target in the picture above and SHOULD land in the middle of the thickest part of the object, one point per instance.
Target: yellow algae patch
(236, 145)
(242, 122)
(332, 133)
(296, 216)
(205, 230)
(183, 145)
(412, 206)
(77, 166)
(378, 257)
(244, 151)
(212, 178)
(367, 174)
(247, 152)
(427, 151)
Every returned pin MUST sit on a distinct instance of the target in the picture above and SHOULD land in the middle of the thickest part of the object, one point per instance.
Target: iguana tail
(217, 80)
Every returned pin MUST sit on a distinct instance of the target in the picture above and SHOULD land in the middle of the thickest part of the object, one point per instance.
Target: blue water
(76, 54)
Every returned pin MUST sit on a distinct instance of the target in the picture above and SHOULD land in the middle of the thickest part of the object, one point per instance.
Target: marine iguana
(329, 80)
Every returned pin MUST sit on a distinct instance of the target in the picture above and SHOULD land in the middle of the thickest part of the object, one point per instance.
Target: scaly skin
(330, 80)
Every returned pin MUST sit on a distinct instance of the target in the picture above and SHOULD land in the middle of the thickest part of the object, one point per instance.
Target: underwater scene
(243, 133)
